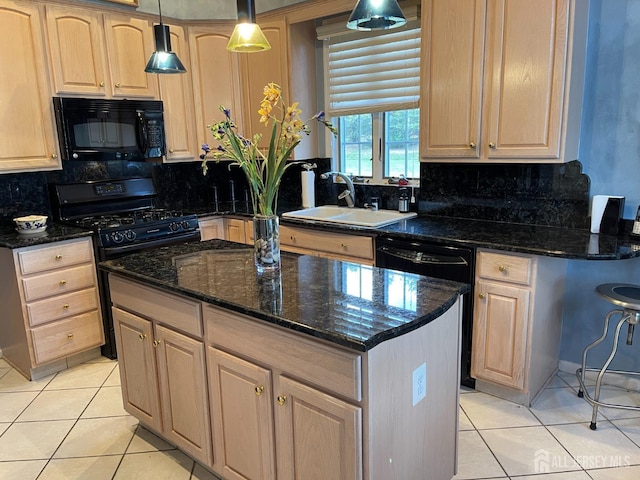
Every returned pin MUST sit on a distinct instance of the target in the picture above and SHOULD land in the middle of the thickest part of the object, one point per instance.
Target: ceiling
(206, 9)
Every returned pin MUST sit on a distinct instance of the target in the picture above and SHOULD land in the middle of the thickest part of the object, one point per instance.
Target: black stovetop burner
(127, 219)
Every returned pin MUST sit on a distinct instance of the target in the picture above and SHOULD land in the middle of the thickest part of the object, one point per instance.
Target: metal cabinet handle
(293, 237)
(472, 145)
(70, 336)
(54, 155)
(142, 336)
(58, 257)
(492, 145)
(117, 85)
(171, 150)
(156, 343)
(63, 282)
(502, 268)
(481, 295)
(344, 245)
(65, 306)
(102, 84)
(259, 389)
(281, 399)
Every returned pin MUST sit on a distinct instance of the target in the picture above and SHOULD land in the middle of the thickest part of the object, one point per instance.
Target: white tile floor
(71, 426)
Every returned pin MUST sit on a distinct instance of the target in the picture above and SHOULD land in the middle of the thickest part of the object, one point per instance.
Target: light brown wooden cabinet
(176, 93)
(216, 79)
(517, 323)
(322, 243)
(162, 365)
(502, 80)
(52, 308)
(27, 138)
(130, 44)
(210, 228)
(235, 229)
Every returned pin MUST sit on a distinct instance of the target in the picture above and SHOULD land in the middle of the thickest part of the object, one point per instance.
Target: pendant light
(376, 15)
(163, 60)
(247, 36)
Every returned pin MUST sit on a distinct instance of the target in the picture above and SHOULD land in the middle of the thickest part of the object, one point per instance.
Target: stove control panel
(147, 232)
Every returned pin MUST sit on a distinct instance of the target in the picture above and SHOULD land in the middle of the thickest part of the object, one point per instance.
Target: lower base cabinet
(163, 376)
(317, 435)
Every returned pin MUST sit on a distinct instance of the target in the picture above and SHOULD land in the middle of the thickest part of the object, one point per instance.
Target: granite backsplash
(536, 194)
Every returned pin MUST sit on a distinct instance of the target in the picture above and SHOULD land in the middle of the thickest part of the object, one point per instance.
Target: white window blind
(371, 72)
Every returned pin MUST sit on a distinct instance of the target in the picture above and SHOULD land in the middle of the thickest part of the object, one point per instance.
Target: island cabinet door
(185, 406)
(319, 436)
(242, 406)
(137, 363)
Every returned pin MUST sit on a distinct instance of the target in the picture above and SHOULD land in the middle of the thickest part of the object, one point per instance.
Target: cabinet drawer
(321, 241)
(55, 255)
(171, 310)
(58, 282)
(66, 337)
(61, 306)
(505, 268)
(316, 363)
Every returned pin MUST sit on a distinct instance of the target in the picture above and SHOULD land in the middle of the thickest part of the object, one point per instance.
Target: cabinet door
(525, 77)
(243, 414)
(137, 363)
(177, 94)
(185, 405)
(261, 69)
(319, 436)
(27, 140)
(130, 44)
(211, 228)
(500, 329)
(78, 58)
(216, 79)
(234, 230)
(452, 61)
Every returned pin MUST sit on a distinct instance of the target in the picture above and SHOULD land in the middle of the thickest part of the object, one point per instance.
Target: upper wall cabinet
(27, 140)
(259, 69)
(502, 80)
(130, 43)
(177, 96)
(216, 78)
(77, 51)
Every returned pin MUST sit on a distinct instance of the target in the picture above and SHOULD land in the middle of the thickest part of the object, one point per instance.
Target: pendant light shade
(163, 60)
(247, 35)
(376, 15)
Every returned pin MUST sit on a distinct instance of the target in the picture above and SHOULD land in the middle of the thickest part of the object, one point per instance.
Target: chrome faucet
(348, 195)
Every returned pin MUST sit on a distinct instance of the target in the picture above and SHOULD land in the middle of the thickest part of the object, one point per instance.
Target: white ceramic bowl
(31, 224)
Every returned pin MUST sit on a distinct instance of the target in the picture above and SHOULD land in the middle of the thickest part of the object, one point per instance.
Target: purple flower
(227, 113)
(318, 116)
(206, 148)
(221, 148)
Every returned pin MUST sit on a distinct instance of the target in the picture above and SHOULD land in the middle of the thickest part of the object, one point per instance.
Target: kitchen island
(328, 370)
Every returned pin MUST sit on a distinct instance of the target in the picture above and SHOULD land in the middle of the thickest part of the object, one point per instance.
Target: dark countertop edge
(55, 233)
(361, 346)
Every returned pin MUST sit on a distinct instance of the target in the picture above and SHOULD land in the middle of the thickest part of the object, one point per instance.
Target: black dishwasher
(439, 261)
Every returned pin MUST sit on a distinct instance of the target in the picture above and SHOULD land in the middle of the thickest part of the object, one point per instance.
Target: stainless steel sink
(361, 217)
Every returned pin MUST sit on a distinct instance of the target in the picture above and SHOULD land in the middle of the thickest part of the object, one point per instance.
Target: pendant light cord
(160, 12)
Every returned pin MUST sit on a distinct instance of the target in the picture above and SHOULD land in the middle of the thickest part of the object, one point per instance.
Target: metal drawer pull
(70, 336)
(502, 268)
(58, 257)
(259, 389)
(66, 306)
(481, 295)
(63, 282)
(281, 399)
(492, 145)
(142, 336)
(156, 343)
(472, 145)
(344, 245)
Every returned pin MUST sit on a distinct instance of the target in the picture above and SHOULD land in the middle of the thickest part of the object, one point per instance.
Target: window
(372, 87)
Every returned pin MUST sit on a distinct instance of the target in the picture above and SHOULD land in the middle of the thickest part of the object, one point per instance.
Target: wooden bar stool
(626, 296)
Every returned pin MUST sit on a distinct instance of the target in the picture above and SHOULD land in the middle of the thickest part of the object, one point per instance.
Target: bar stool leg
(581, 371)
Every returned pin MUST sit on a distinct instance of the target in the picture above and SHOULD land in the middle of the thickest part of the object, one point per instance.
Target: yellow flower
(272, 92)
(292, 112)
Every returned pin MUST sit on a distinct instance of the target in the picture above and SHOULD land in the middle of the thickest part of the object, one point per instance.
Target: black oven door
(104, 130)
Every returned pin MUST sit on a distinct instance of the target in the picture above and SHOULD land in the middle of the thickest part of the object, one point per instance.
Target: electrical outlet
(419, 383)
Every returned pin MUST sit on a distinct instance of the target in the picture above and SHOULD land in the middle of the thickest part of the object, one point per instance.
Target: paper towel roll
(308, 189)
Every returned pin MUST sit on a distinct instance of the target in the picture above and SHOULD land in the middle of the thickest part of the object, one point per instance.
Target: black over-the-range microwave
(100, 130)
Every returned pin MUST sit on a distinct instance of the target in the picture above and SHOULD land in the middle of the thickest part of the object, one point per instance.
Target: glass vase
(266, 238)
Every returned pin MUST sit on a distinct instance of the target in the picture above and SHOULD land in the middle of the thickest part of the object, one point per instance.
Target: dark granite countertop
(9, 238)
(345, 303)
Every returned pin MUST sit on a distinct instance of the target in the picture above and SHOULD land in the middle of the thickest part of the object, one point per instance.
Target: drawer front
(336, 243)
(314, 363)
(67, 337)
(505, 268)
(62, 306)
(58, 282)
(55, 255)
(180, 313)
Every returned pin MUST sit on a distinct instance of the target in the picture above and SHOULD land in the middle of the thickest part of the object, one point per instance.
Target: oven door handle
(110, 252)
(423, 258)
